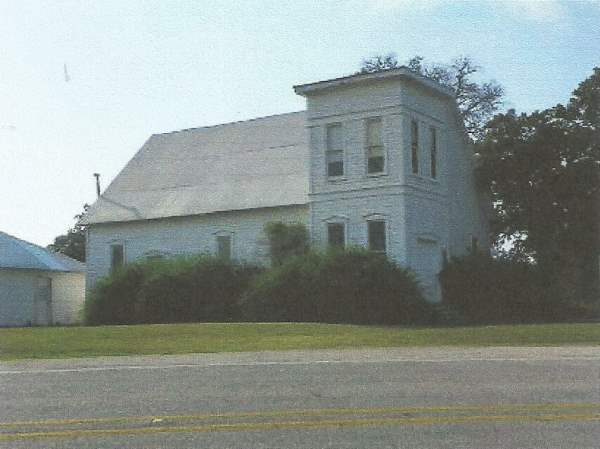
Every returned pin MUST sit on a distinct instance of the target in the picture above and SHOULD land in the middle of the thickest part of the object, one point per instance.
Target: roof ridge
(236, 122)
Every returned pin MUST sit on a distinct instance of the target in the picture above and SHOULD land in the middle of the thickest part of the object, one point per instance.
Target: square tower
(390, 170)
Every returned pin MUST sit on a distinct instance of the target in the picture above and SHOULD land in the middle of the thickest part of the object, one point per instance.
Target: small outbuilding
(38, 287)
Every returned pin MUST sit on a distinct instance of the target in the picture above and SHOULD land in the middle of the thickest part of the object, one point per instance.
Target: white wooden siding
(187, 235)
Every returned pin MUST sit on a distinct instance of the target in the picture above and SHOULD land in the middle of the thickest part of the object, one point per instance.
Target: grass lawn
(58, 342)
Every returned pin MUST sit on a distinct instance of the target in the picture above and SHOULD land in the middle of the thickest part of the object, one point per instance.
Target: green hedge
(113, 298)
(341, 286)
(493, 291)
(182, 289)
(286, 240)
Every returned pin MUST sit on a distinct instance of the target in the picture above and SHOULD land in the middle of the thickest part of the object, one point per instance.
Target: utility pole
(97, 176)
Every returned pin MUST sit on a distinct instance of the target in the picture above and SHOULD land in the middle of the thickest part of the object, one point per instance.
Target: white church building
(377, 160)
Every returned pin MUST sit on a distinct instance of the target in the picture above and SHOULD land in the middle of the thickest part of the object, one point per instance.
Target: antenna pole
(97, 176)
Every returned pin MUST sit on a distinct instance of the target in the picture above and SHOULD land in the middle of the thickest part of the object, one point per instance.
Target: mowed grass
(61, 342)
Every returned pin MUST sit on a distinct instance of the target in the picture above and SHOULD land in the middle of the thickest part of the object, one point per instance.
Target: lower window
(116, 257)
(336, 235)
(377, 237)
(224, 247)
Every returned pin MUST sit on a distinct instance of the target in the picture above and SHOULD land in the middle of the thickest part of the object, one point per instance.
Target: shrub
(181, 289)
(193, 290)
(340, 286)
(112, 300)
(493, 291)
(286, 240)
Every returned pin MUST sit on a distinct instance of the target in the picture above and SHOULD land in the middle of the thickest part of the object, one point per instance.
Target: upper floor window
(375, 153)
(224, 247)
(335, 151)
(117, 256)
(414, 145)
(377, 237)
(434, 150)
(336, 235)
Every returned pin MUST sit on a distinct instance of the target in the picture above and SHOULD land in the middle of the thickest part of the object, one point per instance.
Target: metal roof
(243, 165)
(17, 253)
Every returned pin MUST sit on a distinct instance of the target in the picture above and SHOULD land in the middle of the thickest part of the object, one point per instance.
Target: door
(428, 267)
(42, 302)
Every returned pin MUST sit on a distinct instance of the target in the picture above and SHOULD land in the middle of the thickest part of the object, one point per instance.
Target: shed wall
(17, 289)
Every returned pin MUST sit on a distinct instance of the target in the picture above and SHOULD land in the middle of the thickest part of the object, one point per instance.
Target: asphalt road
(397, 398)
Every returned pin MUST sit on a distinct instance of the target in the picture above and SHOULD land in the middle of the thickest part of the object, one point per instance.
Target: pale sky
(142, 67)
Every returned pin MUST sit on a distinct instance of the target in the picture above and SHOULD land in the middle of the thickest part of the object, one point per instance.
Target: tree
(542, 170)
(477, 102)
(585, 100)
(72, 243)
(379, 63)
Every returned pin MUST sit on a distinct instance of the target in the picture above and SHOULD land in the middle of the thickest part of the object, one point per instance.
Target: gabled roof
(401, 72)
(17, 253)
(243, 165)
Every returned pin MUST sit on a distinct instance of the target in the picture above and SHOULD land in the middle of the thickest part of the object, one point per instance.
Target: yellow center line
(307, 413)
(254, 426)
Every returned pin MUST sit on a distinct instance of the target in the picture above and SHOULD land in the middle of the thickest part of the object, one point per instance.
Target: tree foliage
(487, 290)
(338, 286)
(72, 243)
(379, 63)
(477, 101)
(286, 240)
(542, 170)
(171, 290)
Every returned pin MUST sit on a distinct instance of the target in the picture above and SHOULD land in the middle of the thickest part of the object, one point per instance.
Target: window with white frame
(414, 146)
(377, 235)
(224, 247)
(375, 152)
(433, 152)
(336, 235)
(117, 256)
(335, 150)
